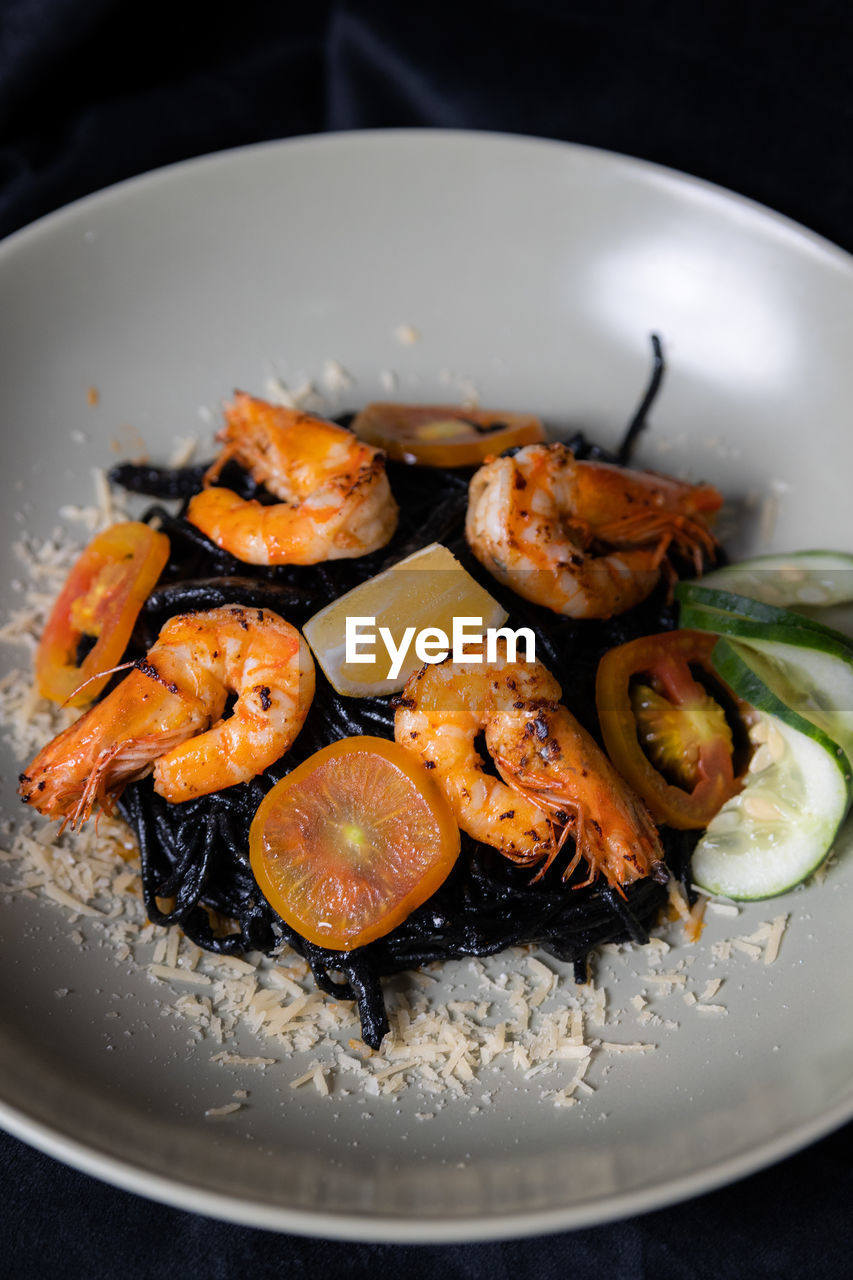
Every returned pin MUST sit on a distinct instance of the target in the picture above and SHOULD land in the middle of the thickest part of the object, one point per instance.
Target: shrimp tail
(96, 790)
(626, 853)
(60, 789)
(214, 471)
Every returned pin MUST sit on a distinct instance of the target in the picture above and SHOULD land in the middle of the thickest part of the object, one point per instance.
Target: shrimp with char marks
(167, 714)
(586, 539)
(335, 500)
(555, 781)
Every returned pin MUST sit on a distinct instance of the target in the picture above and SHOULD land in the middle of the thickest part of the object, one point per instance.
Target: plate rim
(185, 1195)
(594, 154)
(320, 1224)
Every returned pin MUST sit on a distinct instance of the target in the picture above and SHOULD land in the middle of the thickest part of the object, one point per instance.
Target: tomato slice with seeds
(352, 841)
(100, 601)
(441, 435)
(663, 730)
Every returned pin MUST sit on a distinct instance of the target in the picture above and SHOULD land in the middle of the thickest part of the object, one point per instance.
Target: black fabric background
(755, 96)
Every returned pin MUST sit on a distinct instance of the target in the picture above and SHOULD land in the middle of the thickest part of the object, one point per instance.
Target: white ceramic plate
(536, 272)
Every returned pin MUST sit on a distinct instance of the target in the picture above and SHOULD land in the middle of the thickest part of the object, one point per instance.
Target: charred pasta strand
(188, 595)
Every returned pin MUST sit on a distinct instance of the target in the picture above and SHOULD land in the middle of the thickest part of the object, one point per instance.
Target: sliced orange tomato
(441, 435)
(101, 600)
(352, 841)
(664, 732)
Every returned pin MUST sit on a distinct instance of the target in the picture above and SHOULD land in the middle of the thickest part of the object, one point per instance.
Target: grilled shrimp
(554, 779)
(167, 714)
(586, 539)
(336, 502)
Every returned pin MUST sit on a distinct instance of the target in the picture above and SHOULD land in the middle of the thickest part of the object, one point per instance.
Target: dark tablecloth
(756, 97)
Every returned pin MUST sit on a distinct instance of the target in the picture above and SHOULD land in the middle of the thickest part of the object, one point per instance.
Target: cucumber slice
(712, 609)
(788, 691)
(808, 667)
(781, 827)
(801, 578)
(814, 685)
(799, 676)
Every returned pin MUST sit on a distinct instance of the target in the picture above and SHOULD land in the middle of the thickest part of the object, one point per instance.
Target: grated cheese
(636, 1046)
(774, 939)
(667, 979)
(171, 973)
(241, 1060)
(517, 1011)
(227, 1110)
(68, 900)
(335, 377)
(723, 908)
(750, 949)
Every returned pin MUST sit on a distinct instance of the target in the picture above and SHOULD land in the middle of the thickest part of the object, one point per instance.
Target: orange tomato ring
(347, 845)
(440, 435)
(102, 597)
(667, 658)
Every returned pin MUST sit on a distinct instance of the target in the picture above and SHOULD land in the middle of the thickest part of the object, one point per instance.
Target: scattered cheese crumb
(723, 908)
(303, 396)
(240, 1060)
(227, 1110)
(335, 378)
(171, 973)
(636, 1046)
(316, 1076)
(774, 940)
(184, 451)
(750, 949)
(518, 1010)
(69, 901)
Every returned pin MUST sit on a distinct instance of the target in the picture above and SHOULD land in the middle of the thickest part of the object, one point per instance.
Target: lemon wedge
(422, 594)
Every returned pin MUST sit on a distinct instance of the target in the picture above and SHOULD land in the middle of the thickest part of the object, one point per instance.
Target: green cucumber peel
(741, 669)
(761, 684)
(716, 599)
(723, 613)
